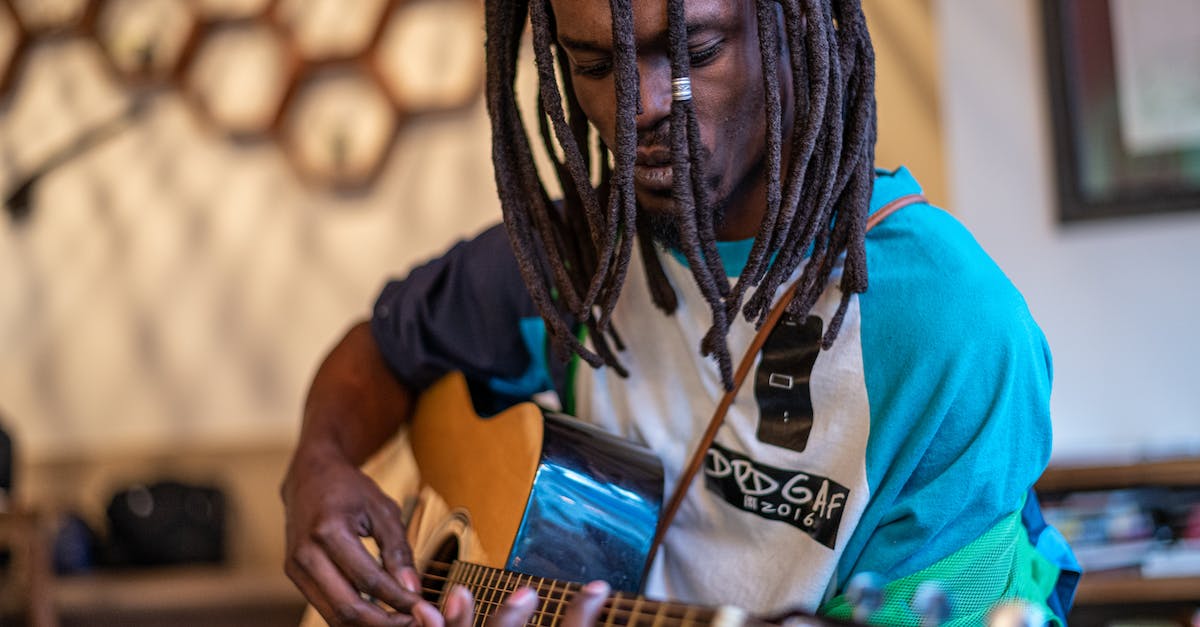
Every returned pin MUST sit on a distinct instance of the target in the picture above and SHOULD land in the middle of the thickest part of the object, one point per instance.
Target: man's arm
(463, 311)
(355, 404)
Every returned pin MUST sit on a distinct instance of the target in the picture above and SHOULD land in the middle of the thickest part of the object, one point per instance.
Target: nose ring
(681, 89)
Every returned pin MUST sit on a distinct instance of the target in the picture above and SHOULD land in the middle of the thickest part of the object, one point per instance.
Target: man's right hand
(354, 405)
(331, 505)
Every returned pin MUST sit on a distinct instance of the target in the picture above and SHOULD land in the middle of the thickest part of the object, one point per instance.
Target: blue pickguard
(592, 510)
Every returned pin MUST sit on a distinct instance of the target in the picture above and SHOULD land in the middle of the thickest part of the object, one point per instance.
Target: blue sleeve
(466, 311)
(958, 378)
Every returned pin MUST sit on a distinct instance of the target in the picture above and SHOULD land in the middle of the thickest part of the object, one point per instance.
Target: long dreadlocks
(574, 259)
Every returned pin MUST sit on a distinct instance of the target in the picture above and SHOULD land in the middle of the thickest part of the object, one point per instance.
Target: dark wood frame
(1066, 109)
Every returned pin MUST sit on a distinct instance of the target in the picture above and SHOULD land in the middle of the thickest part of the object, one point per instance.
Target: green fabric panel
(573, 366)
(1001, 565)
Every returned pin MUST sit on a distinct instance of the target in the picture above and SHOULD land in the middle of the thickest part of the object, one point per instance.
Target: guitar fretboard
(491, 586)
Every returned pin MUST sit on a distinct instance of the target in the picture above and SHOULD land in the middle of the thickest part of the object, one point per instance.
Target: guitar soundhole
(438, 568)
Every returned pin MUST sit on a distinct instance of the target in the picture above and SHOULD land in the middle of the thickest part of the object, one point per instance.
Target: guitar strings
(551, 595)
(619, 610)
(484, 609)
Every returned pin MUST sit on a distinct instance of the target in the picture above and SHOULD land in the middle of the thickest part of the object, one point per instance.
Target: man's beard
(665, 228)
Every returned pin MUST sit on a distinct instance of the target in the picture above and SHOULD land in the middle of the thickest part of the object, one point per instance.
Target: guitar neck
(491, 586)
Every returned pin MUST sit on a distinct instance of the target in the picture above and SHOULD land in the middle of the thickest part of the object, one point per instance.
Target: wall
(1117, 299)
(174, 287)
(165, 305)
(908, 80)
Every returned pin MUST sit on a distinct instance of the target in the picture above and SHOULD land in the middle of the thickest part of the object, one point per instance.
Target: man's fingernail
(410, 580)
(522, 597)
(425, 613)
(457, 602)
(597, 588)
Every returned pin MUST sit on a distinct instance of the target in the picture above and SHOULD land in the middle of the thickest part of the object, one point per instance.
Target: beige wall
(163, 310)
(1116, 298)
(908, 85)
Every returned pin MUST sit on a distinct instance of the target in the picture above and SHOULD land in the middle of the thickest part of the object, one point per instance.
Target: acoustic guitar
(531, 498)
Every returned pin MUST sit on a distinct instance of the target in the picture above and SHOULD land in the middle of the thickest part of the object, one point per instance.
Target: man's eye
(599, 69)
(705, 54)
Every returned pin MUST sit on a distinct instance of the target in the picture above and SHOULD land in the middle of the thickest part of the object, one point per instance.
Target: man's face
(727, 93)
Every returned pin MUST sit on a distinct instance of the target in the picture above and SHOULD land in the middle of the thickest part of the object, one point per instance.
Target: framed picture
(1125, 104)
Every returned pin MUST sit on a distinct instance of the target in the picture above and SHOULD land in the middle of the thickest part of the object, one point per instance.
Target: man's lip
(653, 177)
(653, 157)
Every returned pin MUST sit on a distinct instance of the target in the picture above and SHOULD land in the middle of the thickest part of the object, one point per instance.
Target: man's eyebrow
(584, 45)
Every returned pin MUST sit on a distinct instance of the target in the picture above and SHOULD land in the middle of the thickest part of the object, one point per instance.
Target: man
(901, 426)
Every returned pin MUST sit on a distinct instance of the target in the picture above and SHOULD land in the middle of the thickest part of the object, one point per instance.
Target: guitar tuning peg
(1017, 614)
(864, 591)
(932, 604)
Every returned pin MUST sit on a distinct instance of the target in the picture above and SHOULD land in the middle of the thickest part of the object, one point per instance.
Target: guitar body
(545, 494)
(524, 491)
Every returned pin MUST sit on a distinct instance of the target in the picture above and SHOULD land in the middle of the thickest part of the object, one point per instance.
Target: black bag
(166, 523)
(6, 467)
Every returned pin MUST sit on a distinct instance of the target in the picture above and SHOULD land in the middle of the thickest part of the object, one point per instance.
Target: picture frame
(1124, 107)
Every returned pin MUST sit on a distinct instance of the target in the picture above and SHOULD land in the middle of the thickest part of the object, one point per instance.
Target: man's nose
(654, 91)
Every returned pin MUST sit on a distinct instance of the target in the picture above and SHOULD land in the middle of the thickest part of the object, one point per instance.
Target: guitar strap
(685, 479)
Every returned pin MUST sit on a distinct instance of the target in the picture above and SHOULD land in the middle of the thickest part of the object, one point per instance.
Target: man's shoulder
(935, 296)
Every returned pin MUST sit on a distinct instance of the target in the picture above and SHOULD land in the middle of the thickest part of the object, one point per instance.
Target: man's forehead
(591, 20)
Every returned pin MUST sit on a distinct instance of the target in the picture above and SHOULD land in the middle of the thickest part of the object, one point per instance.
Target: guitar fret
(635, 612)
(491, 587)
(687, 616)
(612, 613)
(541, 616)
(492, 583)
(462, 577)
(510, 586)
(660, 614)
(559, 603)
(562, 602)
(528, 583)
(467, 578)
(482, 613)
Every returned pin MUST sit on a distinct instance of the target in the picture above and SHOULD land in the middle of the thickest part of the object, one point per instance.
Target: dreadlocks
(575, 259)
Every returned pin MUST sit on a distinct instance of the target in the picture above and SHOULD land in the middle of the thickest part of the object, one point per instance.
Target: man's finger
(334, 598)
(584, 609)
(391, 536)
(364, 571)
(426, 615)
(460, 607)
(515, 610)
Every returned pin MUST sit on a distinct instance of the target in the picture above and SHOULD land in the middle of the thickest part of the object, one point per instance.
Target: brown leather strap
(893, 207)
(718, 419)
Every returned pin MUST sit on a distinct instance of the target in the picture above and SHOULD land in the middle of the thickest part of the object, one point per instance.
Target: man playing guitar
(716, 159)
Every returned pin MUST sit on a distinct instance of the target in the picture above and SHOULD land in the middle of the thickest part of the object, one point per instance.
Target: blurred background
(202, 194)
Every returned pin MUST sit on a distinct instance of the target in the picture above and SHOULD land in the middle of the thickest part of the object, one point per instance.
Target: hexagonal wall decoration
(10, 46)
(50, 15)
(328, 80)
(430, 55)
(338, 127)
(240, 76)
(330, 29)
(229, 9)
(145, 38)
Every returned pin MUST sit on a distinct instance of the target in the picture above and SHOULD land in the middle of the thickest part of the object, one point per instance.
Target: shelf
(171, 589)
(1112, 589)
(1173, 473)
